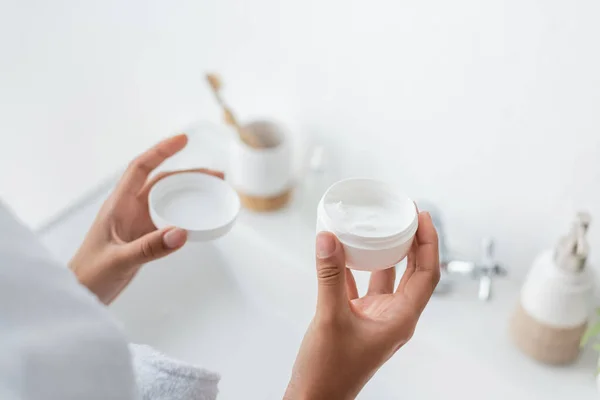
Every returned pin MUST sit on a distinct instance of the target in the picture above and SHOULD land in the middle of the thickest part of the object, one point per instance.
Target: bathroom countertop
(472, 328)
(469, 335)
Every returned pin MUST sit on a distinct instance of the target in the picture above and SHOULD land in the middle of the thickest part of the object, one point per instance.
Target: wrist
(294, 393)
(298, 392)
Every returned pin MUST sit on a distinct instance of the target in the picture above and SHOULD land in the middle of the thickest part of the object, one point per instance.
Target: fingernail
(175, 238)
(325, 244)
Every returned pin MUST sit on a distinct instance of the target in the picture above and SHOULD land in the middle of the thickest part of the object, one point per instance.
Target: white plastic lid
(202, 204)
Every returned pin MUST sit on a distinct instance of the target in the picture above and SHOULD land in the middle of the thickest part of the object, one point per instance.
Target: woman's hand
(123, 238)
(351, 337)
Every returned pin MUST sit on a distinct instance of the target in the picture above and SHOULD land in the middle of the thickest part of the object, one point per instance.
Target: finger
(331, 271)
(382, 282)
(410, 266)
(139, 169)
(410, 260)
(423, 281)
(351, 289)
(427, 241)
(154, 245)
(146, 189)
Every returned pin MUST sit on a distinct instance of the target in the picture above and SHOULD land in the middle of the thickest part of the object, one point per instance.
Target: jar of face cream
(375, 223)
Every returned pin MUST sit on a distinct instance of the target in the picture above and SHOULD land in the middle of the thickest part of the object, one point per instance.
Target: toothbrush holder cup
(262, 173)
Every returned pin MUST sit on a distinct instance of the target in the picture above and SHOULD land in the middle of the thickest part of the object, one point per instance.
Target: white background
(489, 109)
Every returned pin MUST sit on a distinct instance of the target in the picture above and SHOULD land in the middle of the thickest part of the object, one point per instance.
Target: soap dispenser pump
(556, 300)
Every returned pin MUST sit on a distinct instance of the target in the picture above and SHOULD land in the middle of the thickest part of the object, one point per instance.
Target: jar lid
(368, 213)
(202, 204)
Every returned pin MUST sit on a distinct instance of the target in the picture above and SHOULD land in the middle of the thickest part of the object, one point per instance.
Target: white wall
(489, 108)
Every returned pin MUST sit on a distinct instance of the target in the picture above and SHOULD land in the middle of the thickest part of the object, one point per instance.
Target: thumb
(331, 273)
(155, 245)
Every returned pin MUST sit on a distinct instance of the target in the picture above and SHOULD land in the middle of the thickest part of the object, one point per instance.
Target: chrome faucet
(485, 270)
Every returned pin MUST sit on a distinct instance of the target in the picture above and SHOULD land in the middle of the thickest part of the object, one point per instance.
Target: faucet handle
(488, 268)
(488, 260)
(487, 251)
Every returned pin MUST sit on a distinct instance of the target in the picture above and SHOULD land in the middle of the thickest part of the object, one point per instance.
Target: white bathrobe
(58, 342)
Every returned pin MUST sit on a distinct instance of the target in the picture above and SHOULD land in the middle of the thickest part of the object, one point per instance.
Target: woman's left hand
(123, 238)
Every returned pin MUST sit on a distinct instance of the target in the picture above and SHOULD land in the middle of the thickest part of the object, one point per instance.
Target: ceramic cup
(262, 173)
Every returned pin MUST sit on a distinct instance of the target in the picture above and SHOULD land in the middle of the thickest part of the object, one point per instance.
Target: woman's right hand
(123, 237)
(350, 337)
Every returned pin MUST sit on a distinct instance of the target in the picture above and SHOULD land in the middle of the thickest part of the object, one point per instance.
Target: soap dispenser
(556, 300)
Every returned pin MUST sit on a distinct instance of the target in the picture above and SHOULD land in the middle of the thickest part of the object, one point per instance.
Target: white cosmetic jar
(375, 223)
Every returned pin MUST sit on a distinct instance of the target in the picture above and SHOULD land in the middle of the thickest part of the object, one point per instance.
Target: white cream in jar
(375, 223)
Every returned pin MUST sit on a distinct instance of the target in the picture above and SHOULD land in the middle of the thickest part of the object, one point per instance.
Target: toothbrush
(216, 85)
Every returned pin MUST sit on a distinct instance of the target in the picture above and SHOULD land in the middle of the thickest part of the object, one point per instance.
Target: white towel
(162, 378)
